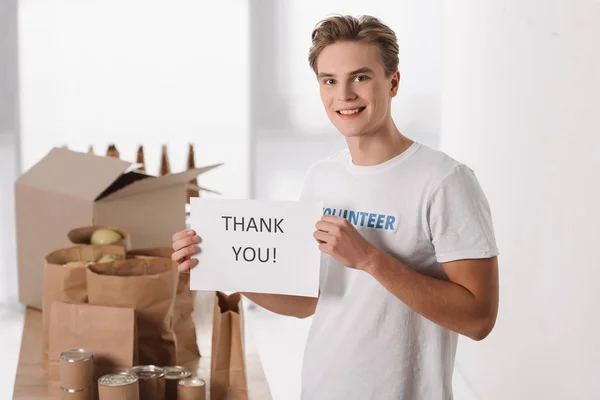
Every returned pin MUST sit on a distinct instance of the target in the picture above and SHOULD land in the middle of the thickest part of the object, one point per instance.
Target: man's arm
(293, 306)
(467, 304)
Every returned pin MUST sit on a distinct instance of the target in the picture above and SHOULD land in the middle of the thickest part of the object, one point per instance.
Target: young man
(409, 255)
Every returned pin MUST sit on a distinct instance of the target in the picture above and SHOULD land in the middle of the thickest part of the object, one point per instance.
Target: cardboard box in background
(69, 189)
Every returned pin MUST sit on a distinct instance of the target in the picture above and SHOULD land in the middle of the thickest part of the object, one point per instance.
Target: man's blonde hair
(365, 29)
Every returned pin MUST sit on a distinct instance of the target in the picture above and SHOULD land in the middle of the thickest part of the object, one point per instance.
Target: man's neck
(378, 147)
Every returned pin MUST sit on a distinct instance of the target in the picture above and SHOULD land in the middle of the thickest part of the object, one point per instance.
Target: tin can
(172, 376)
(71, 394)
(119, 386)
(151, 380)
(191, 389)
(76, 370)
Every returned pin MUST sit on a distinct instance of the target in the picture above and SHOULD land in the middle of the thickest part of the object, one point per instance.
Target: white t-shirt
(424, 208)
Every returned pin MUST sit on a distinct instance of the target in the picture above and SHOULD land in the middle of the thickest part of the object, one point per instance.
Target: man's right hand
(185, 245)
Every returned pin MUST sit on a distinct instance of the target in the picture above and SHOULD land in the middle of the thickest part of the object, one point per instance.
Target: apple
(108, 258)
(105, 236)
(77, 264)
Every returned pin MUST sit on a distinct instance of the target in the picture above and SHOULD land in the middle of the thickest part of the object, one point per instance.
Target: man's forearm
(444, 302)
(293, 306)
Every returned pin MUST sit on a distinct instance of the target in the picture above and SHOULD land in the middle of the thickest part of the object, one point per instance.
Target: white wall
(9, 143)
(139, 72)
(8, 253)
(520, 105)
(289, 125)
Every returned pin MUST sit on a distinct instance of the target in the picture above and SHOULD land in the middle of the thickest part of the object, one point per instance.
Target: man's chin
(351, 133)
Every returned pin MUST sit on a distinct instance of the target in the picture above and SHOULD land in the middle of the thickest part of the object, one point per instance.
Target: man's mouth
(352, 111)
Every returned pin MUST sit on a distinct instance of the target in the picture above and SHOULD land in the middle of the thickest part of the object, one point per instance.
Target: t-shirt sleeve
(459, 218)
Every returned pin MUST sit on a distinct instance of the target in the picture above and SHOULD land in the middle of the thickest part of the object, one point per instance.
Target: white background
(138, 73)
(514, 84)
(520, 104)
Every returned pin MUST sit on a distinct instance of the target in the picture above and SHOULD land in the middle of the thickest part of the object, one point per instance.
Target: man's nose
(345, 93)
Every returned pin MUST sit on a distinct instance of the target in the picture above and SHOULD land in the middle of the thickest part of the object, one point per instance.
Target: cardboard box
(69, 189)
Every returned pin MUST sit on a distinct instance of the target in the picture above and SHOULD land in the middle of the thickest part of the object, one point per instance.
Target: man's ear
(395, 83)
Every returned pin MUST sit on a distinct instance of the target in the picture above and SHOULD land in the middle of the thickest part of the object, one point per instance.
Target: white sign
(256, 246)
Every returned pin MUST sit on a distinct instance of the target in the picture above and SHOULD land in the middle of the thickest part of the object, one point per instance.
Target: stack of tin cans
(172, 376)
(149, 382)
(191, 389)
(144, 382)
(76, 375)
(120, 386)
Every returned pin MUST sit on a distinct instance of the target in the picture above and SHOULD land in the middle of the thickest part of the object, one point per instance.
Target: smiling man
(409, 254)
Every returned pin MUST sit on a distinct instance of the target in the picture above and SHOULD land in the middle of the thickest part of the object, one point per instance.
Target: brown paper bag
(191, 164)
(82, 235)
(183, 323)
(112, 151)
(140, 159)
(109, 333)
(165, 166)
(149, 286)
(154, 252)
(67, 284)
(228, 367)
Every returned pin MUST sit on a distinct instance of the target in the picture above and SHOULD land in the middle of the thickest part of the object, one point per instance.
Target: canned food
(172, 376)
(76, 369)
(151, 380)
(71, 394)
(119, 386)
(191, 389)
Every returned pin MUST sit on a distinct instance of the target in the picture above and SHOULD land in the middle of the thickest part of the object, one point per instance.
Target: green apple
(105, 236)
(108, 258)
(77, 264)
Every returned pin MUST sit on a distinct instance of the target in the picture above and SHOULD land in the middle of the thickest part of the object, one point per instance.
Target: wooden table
(31, 384)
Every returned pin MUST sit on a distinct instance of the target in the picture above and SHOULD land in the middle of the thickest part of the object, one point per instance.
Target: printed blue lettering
(389, 222)
(353, 217)
(362, 219)
(371, 220)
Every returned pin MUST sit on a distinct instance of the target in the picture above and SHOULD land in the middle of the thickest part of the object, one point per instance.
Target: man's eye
(361, 78)
(329, 81)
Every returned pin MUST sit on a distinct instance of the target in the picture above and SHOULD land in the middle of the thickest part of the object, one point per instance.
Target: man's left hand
(340, 239)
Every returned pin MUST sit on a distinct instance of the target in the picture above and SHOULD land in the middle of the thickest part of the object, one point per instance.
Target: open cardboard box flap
(191, 186)
(153, 183)
(72, 173)
(69, 189)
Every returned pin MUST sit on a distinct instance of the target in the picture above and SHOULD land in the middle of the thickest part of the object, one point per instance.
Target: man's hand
(340, 239)
(185, 246)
